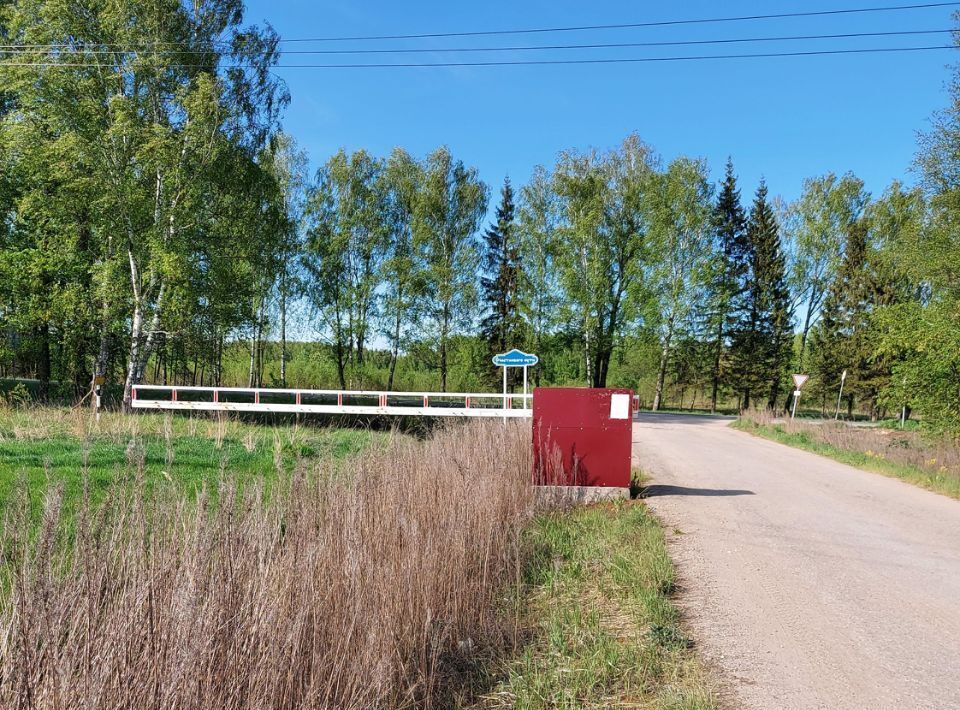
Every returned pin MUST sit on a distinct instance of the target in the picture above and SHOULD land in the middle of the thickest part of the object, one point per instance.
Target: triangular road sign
(798, 380)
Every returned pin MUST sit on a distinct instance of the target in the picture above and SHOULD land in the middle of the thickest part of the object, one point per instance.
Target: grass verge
(603, 631)
(932, 478)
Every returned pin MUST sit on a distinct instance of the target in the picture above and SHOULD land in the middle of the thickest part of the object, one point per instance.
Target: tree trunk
(218, 369)
(538, 340)
(715, 385)
(806, 330)
(136, 347)
(445, 324)
(43, 361)
(283, 337)
(662, 372)
(395, 348)
(141, 343)
(341, 374)
(774, 394)
(586, 352)
(102, 359)
(252, 369)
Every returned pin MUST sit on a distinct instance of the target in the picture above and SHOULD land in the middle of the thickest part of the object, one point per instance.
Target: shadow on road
(661, 490)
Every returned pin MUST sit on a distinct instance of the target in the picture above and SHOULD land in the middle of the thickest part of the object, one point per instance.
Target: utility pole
(843, 378)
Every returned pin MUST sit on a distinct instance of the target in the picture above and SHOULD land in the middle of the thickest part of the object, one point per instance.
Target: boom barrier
(301, 401)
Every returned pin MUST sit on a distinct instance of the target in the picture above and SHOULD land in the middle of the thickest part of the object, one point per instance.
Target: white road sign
(798, 380)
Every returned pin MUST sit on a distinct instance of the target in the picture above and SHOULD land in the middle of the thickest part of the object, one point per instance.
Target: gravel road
(806, 583)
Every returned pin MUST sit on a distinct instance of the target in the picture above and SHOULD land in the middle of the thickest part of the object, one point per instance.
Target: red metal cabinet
(582, 437)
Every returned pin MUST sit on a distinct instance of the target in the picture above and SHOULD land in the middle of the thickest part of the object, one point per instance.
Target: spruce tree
(763, 336)
(730, 280)
(843, 340)
(500, 326)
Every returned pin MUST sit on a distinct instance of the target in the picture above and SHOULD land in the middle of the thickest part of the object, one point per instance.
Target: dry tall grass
(937, 456)
(353, 588)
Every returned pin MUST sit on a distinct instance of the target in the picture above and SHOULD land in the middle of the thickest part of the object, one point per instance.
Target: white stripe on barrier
(428, 404)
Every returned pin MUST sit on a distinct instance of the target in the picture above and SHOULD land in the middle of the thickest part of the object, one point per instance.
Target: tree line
(157, 224)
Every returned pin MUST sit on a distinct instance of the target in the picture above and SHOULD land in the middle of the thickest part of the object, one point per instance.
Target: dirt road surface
(807, 583)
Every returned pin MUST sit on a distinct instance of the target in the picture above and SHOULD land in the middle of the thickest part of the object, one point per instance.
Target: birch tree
(402, 274)
(149, 129)
(681, 261)
(602, 236)
(349, 239)
(448, 213)
(818, 225)
(539, 287)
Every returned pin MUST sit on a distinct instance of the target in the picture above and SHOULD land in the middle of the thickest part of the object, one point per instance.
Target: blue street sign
(515, 358)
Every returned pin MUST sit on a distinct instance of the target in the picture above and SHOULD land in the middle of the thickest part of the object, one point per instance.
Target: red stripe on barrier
(467, 402)
(298, 398)
(216, 396)
(339, 399)
(174, 396)
(256, 397)
(426, 401)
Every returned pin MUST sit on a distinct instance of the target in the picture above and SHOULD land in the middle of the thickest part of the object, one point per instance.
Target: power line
(626, 60)
(13, 50)
(532, 62)
(543, 30)
(621, 45)
(629, 25)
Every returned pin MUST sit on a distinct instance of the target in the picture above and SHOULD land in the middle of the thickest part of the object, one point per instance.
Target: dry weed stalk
(354, 588)
(911, 448)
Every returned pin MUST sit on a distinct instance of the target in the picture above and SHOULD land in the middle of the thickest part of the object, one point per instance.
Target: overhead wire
(546, 30)
(629, 25)
(13, 50)
(66, 55)
(533, 62)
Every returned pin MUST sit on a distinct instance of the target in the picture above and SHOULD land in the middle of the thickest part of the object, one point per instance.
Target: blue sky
(781, 118)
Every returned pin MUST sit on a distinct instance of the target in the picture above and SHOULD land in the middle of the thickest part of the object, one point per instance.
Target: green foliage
(682, 242)
(818, 223)
(727, 279)
(446, 218)
(348, 243)
(132, 171)
(762, 336)
(919, 334)
(868, 281)
(155, 224)
(501, 325)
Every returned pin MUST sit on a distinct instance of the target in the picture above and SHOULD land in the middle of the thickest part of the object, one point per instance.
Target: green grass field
(604, 631)
(60, 446)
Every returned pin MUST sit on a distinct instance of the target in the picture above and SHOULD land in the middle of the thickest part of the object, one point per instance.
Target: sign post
(843, 378)
(515, 358)
(798, 381)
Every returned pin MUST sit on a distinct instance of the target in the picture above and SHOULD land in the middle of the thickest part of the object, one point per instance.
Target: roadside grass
(602, 629)
(59, 446)
(881, 451)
